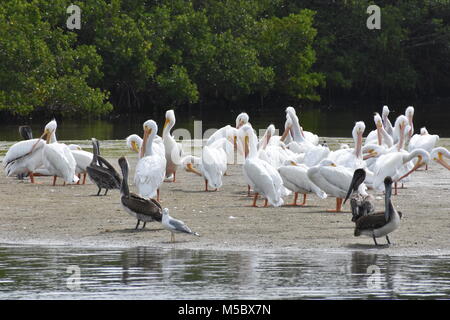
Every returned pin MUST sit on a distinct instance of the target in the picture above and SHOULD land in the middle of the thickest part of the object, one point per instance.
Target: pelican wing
(339, 177)
(373, 221)
(142, 206)
(22, 149)
(59, 161)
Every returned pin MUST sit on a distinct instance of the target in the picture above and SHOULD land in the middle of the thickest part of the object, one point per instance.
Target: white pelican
(151, 167)
(134, 143)
(380, 224)
(260, 176)
(379, 136)
(227, 132)
(295, 178)
(83, 160)
(309, 136)
(299, 144)
(173, 150)
(409, 113)
(352, 157)
(393, 164)
(332, 179)
(424, 140)
(242, 119)
(386, 122)
(437, 154)
(24, 157)
(213, 164)
(57, 157)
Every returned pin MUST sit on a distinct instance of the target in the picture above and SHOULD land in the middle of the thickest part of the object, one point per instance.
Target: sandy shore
(72, 215)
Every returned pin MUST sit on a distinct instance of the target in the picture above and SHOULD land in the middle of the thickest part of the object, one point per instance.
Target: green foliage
(151, 54)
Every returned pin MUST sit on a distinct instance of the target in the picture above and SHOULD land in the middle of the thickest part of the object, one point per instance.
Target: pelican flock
(273, 166)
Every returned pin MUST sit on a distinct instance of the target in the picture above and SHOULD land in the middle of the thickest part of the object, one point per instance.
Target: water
(337, 122)
(44, 272)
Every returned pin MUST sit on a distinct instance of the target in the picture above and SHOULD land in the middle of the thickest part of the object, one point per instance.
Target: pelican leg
(144, 225)
(304, 200)
(266, 203)
(174, 176)
(79, 178)
(84, 178)
(206, 185)
(387, 239)
(99, 189)
(137, 224)
(106, 192)
(395, 188)
(248, 191)
(294, 202)
(157, 195)
(254, 200)
(31, 177)
(54, 180)
(375, 240)
(338, 206)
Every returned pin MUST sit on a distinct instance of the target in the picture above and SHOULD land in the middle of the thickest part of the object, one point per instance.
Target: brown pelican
(101, 172)
(145, 210)
(380, 224)
(26, 132)
(361, 202)
(174, 225)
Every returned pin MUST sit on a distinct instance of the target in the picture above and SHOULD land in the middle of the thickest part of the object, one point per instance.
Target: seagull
(174, 225)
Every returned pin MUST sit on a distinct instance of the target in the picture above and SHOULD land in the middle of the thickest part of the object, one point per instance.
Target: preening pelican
(437, 154)
(151, 167)
(380, 224)
(299, 143)
(213, 163)
(424, 140)
(409, 114)
(379, 136)
(57, 157)
(386, 122)
(173, 150)
(361, 202)
(242, 119)
(174, 225)
(145, 210)
(260, 176)
(351, 158)
(101, 172)
(24, 157)
(308, 136)
(228, 132)
(332, 179)
(295, 178)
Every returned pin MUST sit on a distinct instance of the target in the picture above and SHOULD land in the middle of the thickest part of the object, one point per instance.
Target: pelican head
(423, 157)
(170, 118)
(247, 135)
(424, 131)
(401, 122)
(377, 120)
(241, 120)
(437, 154)
(327, 162)
(150, 127)
(134, 142)
(49, 130)
(359, 128)
(358, 177)
(385, 112)
(290, 110)
(409, 112)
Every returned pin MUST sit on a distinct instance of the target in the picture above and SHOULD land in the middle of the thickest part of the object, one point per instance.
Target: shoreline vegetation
(145, 57)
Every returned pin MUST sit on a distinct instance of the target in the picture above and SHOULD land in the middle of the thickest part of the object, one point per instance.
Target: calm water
(41, 272)
(324, 122)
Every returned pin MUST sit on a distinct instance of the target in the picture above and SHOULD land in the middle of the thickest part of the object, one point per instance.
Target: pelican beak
(372, 153)
(190, 168)
(379, 126)
(285, 133)
(147, 132)
(442, 162)
(166, 123)
(294, 163)
(134, 146)
(333, 165)
(418, 164)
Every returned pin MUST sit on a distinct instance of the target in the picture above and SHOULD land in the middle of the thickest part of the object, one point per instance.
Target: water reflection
(150, 273)
(337, 122)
